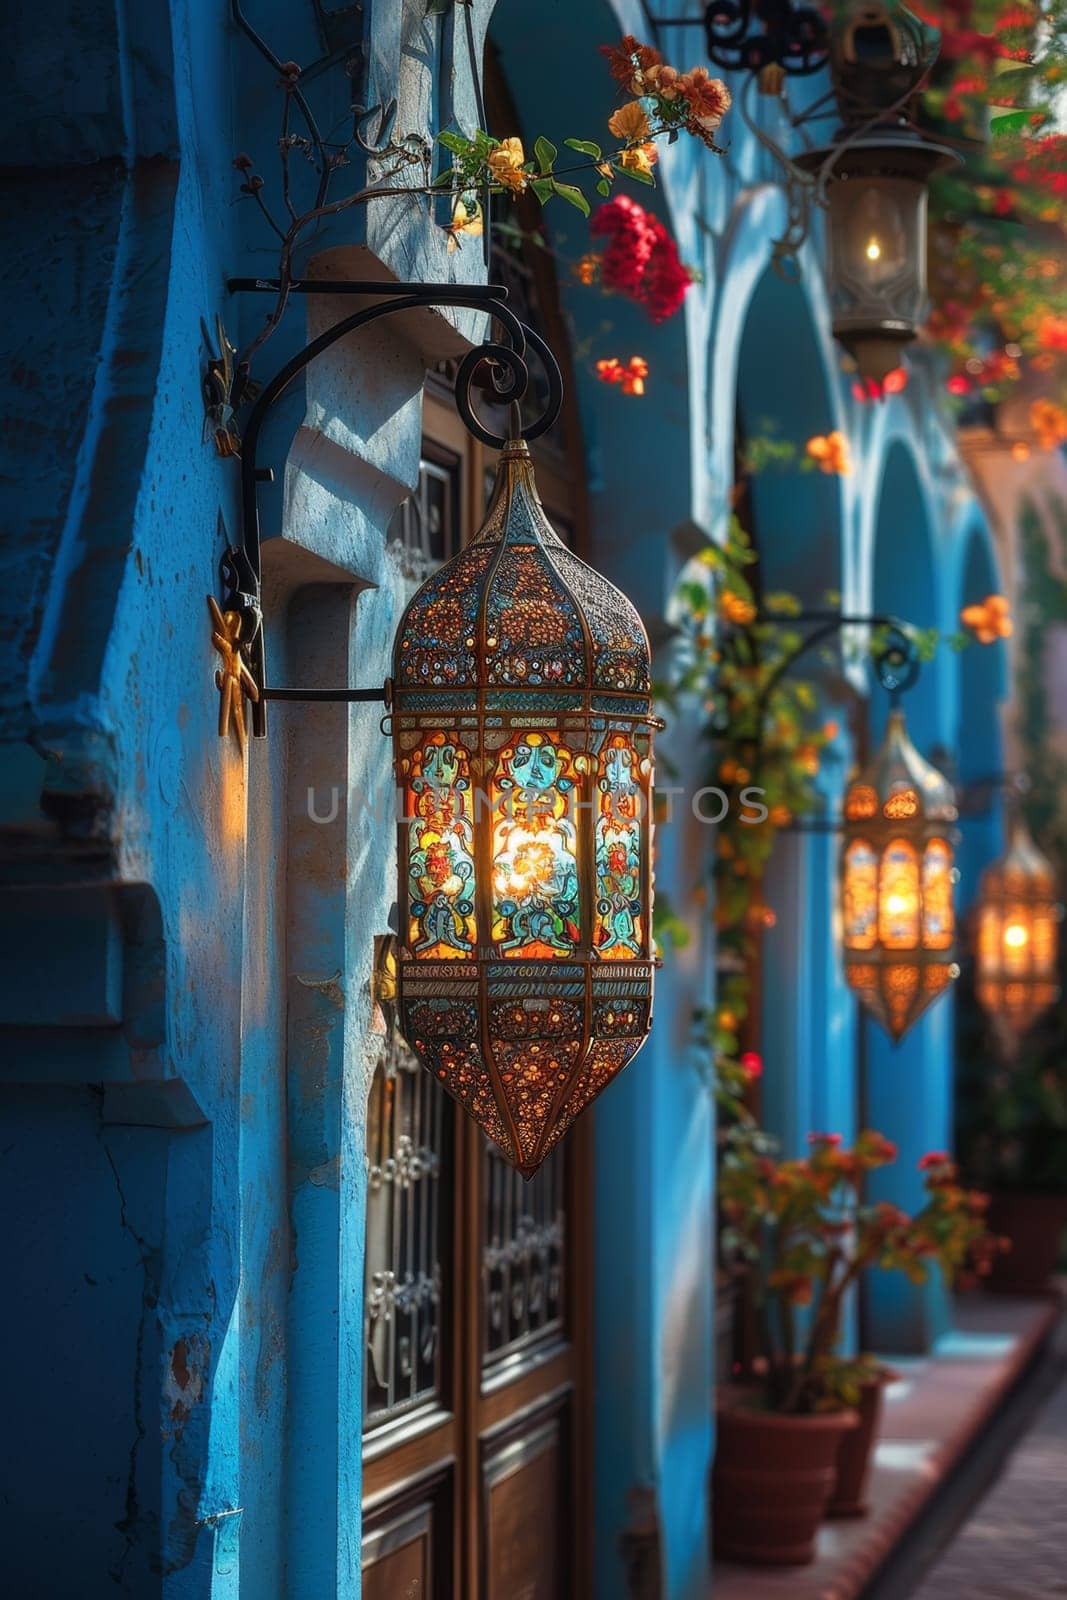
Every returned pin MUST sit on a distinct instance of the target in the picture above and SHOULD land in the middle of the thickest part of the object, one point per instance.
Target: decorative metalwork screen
(427, 524)
(409, 1188)
(523, 1256)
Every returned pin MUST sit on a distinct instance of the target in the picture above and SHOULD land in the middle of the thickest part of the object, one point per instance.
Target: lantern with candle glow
(897, 883)
(522, 729)
(1017, 921)
(876, 178)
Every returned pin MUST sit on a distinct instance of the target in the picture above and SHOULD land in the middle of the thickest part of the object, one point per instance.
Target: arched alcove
(796, 516)
(784, 394)
(979, 748)
(905, 585)
(907, 1087)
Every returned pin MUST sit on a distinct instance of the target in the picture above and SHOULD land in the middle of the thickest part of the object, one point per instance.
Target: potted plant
(807, 1235)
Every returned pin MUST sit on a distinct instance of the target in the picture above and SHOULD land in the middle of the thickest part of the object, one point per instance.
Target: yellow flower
(463, 222)
(639, 158)
(831, 453)
(506, 162)
(630, 123)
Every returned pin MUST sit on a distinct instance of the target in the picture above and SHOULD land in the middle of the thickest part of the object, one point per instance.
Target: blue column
(908, 1092)
(655, 1256)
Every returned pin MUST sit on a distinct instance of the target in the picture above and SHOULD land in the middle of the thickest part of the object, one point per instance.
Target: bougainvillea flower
(831, 453)
(506, 162)
(708, 98)
(639, 157)
(752, 1064)
(989, 619)
(630, 378)
(630, 123)
(629, 56)
(587, 267)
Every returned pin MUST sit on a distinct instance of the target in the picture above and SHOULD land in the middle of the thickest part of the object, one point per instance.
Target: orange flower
(831, 453)
(708, 98)
(990, 619)
(630, 123)
(587, 267)
(634, 375)
(505, 163)
(639, 157)
(1049, 422)
(629, 56)
(630, 377)
(732, 608)
(661, 80)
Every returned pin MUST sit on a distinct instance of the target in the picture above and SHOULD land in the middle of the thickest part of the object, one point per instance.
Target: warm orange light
(1017, 938)
(522, 744)
(897, 880)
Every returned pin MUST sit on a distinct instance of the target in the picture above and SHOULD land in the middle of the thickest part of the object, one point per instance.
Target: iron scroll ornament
(749, 35)
(506, 359)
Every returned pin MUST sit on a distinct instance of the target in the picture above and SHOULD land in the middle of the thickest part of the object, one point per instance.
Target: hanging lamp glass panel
(897, 883)
(1017, 922)
(522, 737)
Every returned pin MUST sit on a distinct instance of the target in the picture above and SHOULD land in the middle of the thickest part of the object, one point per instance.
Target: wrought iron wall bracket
(241, 566)
(749, 35)
(896, 663)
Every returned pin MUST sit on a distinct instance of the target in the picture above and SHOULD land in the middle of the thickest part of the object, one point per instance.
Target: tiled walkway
(1014, 1545)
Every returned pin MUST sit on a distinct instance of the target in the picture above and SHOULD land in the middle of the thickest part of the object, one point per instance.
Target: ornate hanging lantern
(522, 729)
(877, 176)
(897, 883)
(1017, 937)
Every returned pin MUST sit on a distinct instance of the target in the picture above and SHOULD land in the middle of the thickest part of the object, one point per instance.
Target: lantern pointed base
(897, 993)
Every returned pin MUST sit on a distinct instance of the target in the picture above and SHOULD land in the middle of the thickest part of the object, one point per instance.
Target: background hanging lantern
(522, 728)
(1017, 937)
(877, 175)
(897, 883)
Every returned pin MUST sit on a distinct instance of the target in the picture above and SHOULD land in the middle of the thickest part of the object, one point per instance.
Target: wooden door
(477, 1472)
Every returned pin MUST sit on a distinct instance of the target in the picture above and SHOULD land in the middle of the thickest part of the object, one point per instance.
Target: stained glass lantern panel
(898, 882)
(1017, 937)
(522, 726)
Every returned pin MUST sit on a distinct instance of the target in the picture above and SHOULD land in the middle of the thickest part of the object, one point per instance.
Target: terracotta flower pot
(773, 1477)
(1034, 1223)
(854, 1455)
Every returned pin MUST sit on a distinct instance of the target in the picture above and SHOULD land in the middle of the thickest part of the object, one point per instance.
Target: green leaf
(455, 142)
(573, 197)
(546, 153)
(543, 188)
(1011, 122)
(603, 187)
(584, 147)
(638, 176)
(443, 179)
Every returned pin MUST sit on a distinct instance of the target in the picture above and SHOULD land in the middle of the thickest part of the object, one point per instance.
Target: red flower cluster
(641, 260)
